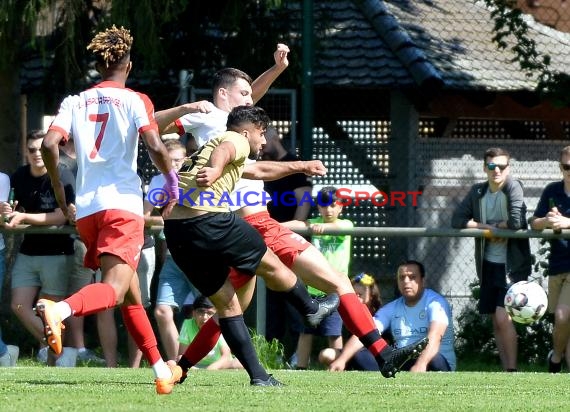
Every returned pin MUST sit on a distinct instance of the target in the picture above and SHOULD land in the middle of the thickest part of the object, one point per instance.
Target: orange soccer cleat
(164, 386)
(52, 324)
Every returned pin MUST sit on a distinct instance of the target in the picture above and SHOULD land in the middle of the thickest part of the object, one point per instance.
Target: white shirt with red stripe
(105, 122)
(203, 126)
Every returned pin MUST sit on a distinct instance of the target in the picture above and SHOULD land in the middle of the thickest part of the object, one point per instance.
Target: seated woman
(369, 294)
(220, 357)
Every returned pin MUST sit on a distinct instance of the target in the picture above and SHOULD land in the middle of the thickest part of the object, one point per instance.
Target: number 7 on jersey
(98, 118)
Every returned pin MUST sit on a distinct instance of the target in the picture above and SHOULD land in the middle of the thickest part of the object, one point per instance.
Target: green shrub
(271, 354)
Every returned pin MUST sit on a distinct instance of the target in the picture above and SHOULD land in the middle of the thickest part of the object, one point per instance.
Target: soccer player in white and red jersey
(106, 121)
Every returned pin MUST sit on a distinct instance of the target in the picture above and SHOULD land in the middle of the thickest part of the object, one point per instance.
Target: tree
(169, 35)
(509, 23)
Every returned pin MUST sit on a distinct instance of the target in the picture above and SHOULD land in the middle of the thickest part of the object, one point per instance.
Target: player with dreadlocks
(105, 122)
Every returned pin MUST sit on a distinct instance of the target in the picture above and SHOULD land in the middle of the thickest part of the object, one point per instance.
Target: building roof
(405, 43)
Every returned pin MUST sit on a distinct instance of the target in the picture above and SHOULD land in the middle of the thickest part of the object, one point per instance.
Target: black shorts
(493, 287)
(205, 247)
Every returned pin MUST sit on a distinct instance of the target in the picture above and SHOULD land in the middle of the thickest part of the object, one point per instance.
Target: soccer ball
(526, 302)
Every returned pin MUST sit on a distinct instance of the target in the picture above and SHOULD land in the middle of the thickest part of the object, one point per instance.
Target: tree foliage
(170, 35)
(511, 30)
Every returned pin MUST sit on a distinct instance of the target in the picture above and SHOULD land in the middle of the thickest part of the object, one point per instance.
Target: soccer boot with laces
(394, 358)
(271, 381)
(164, 386)
(327, 305)
(53, 325)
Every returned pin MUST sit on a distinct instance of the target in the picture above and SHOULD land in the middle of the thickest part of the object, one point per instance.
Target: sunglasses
(493, 166)
(565, 167)
(32, 150)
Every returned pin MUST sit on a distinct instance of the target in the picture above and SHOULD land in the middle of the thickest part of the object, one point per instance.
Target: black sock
(237, 336)
(380, 359)
(299, 297)
(184, 363)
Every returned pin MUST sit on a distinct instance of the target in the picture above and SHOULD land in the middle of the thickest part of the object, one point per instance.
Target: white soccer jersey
(203, 126)
(105, 122)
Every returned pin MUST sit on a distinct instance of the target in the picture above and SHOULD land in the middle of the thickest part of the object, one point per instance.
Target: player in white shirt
(106, 121)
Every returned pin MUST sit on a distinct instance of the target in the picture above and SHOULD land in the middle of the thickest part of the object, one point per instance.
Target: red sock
(138, 325)
(358, 321)
(203, 342)
(92, 299)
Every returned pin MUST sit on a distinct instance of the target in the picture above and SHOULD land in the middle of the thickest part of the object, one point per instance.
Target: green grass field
(32, 388)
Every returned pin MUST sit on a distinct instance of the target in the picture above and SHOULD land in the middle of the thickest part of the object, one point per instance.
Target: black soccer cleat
(394, 359)
(271, 381)
(327, 305)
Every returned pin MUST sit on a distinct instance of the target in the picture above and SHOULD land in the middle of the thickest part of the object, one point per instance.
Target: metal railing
(355, 231)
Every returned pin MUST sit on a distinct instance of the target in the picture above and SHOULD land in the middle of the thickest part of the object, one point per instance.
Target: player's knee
(328, 355)
(162, 313)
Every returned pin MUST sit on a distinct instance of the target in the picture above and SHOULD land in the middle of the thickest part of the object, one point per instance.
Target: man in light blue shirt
(418, 313)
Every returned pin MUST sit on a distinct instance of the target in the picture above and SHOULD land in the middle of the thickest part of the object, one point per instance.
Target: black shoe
(271, 381)
(552, 366)
(394, 359)
(327, 305)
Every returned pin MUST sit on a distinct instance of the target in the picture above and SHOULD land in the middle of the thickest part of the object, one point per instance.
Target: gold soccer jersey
(215, 198)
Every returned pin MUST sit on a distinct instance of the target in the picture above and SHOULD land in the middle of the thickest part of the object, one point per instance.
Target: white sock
(63, 309)
(161, 370)
(81, 350)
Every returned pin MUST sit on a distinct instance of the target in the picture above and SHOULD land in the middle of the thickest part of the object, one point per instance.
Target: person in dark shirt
(292, 190)
(282, 321)
(553, 212)
(43, 261)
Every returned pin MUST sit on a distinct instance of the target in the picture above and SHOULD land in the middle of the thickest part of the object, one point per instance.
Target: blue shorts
(330, 326)
(173, 285)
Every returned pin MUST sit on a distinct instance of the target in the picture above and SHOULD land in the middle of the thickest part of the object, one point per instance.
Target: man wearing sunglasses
(497, 203)
(553, 212)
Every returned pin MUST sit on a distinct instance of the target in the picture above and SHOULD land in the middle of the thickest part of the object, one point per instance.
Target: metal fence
(371, 158)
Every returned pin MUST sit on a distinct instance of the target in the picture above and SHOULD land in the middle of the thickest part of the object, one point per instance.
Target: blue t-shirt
(559, 259)
(410, 324)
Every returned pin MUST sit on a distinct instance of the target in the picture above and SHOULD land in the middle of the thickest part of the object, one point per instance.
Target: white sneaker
(10, 357)
(68, 358)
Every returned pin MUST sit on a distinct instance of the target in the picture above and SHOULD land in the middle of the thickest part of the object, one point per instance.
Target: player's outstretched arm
(166, 118)
(260, 85)
(273, 170)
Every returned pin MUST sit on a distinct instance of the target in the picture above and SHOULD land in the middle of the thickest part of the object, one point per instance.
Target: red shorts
(285, 243)
(116, 232)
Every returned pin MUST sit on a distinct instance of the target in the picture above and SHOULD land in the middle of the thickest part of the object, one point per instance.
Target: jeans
(3, 348)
